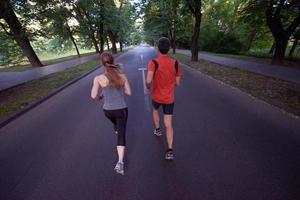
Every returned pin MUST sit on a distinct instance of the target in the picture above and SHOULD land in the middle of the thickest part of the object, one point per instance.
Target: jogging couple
(164, 72)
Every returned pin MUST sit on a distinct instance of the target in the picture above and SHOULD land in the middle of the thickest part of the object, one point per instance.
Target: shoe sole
(169, 158)
(119, 172)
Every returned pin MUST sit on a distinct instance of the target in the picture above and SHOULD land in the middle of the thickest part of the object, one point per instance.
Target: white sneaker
(119, 168)
(157, 132)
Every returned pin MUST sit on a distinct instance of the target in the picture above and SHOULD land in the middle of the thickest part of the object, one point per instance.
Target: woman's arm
(127, 86)
(95, 89)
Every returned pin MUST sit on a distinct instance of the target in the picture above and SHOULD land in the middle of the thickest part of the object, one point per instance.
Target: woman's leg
(111, 116)
(121, 126)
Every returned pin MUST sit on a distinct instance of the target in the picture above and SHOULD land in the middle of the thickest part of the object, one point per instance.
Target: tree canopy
(66, 24)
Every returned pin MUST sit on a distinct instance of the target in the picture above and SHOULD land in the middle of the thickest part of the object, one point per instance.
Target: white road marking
(147, 101)
(144, 78)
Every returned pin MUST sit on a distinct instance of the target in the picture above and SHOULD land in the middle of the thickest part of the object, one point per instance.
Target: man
(165, 73)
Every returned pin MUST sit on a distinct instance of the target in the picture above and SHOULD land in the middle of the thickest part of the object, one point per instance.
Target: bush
(220, 42)
(10, 53)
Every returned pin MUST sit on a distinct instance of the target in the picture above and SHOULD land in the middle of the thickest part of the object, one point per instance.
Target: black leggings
(119, 119)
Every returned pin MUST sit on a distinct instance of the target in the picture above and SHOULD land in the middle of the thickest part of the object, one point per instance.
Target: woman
(113, 85)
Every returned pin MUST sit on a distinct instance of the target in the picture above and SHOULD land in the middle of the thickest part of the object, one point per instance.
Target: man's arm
(178, 78)
(178, 75)
(149, 79)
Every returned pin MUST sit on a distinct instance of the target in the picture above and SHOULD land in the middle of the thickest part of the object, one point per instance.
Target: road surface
(227, 145)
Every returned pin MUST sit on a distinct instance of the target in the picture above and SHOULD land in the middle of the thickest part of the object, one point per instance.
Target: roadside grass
(47, 59)
(280, 93)
(16, 98)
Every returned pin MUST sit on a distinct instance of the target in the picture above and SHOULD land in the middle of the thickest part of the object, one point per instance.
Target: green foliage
(227, 26)
(10, 53)
(55, 25)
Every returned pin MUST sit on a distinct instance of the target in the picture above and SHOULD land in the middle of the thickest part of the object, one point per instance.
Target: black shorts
(167, 108)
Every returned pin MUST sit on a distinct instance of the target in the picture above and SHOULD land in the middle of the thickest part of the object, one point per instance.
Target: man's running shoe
(169, 155)
(157, 132)
(119, 168)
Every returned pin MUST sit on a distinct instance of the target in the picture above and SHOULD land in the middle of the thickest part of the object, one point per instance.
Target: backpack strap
(156, 66)
(176, 66)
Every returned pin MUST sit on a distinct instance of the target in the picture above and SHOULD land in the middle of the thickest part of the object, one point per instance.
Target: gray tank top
(113, 98)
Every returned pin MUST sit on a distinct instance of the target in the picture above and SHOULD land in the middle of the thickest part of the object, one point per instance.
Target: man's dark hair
(163, 45)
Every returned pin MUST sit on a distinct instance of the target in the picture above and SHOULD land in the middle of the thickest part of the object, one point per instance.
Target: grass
(18, 97)
(283, 94)
(47, 59)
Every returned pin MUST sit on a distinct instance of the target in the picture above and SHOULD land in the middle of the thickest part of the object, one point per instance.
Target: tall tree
(195, 7)
(17, 32)
(85, 16)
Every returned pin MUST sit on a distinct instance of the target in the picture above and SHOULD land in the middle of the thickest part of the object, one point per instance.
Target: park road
(228, 145)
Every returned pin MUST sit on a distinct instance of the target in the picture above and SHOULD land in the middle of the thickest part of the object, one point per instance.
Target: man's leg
(168, 115)
(156, 118)
(170, 132)
(155, 114)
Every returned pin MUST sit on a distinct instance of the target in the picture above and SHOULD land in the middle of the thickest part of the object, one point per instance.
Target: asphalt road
(227, 145)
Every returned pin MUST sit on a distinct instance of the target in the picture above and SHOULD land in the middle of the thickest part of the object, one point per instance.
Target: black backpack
(156, 66)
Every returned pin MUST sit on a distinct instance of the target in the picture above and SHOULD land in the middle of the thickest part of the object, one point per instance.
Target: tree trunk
(195, 37)
(101, 33)
(113, 41)
(73, 40)
(271, 52)
(293, 47)
(107, 44)
(18, 32)
(101, 43)
(173, 45)
(92, 36)
(279, 51)
(172, 41)
(173, 30)
(121, 46)
(114, 46)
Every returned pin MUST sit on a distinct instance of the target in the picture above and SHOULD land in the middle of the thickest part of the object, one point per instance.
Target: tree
(283, 18)
(296, 37)
(10, 52)
(17, 32)
(163, 18)
(87, 19)
(55, 19)
(195, 8)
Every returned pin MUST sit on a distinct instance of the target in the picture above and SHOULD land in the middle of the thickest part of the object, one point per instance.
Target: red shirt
(164, 79)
